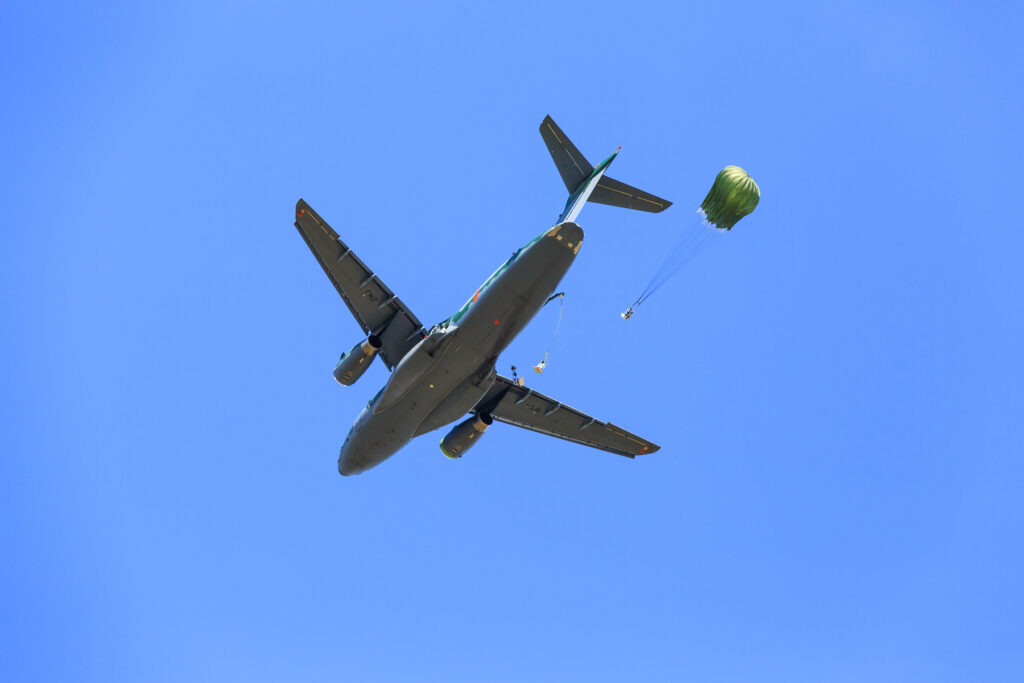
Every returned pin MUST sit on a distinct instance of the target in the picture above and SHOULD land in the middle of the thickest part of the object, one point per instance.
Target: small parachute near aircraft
(733, 195)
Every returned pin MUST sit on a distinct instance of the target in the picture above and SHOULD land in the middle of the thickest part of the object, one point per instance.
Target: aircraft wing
(375, 307)
(523, 407)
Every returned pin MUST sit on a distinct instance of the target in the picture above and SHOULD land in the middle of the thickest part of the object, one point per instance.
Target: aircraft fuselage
(449, 371)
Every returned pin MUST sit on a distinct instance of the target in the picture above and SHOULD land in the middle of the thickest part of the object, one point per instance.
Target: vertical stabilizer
(573, 166)
(585, 182)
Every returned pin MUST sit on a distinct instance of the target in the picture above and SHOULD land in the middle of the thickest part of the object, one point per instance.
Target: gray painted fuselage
(445, 375)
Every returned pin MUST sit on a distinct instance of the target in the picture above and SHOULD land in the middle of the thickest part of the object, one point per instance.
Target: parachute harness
(539, 367)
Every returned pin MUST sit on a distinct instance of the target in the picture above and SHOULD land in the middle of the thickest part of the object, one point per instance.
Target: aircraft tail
(586, 183)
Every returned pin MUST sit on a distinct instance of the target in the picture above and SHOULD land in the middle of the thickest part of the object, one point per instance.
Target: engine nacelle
(464, 435)
(354, 363)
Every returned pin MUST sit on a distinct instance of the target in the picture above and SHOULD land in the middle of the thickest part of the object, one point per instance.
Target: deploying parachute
(733, 195)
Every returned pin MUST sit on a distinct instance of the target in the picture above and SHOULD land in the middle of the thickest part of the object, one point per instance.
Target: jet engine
(464, 435)
(354, 363)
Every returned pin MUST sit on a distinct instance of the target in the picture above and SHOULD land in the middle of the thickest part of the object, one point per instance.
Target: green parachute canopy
(733, 196)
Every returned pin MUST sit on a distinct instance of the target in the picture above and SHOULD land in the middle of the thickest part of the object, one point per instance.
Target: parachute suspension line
(708, 236)
(688, 243)
(693, 241)
(539, 367)
(733, 195)
(699, 237)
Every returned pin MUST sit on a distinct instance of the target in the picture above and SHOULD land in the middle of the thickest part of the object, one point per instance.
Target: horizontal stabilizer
(616, 193)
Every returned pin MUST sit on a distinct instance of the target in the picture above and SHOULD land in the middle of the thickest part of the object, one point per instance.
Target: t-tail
(587, 183)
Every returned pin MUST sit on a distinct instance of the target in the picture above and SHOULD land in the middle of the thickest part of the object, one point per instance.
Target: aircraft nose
(348, 458)
(356, 456)
(347, 462)
(345, 468)
(369, 444)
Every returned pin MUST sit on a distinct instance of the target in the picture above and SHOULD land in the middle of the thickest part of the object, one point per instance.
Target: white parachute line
(539, 367)
(680, 257)
(686, 243)
(693, 241)
(674, 263)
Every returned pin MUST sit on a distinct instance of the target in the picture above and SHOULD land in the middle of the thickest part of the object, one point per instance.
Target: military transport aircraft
(439, 375)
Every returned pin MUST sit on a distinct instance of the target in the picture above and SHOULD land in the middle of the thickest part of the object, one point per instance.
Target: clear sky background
(836, 384)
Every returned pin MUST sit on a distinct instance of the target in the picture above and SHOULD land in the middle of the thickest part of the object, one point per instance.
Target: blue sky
(836, 385)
